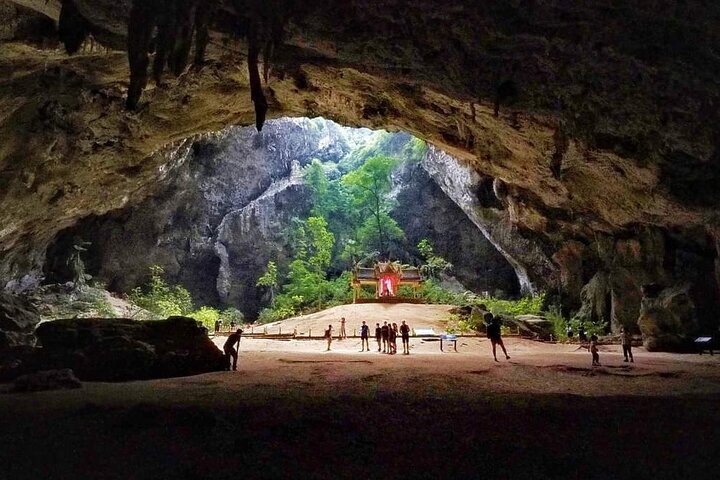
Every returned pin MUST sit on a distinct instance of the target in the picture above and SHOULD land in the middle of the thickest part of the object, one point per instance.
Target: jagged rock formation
(426, 211)
(18, 318)
(597, 122)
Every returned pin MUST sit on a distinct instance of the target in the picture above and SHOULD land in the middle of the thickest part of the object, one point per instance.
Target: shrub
(161, 299)
(231, 314)
(207, 316)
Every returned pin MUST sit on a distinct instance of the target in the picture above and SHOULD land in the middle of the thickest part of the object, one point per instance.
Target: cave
(572, 155)
(226, 208)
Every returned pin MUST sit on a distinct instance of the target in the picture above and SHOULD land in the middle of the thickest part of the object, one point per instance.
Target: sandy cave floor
(295, 411)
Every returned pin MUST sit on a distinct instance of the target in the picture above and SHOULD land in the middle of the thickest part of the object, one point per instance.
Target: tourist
(627, 344)
(378, 336)
(582, 336)
(392, 339)
(328, 337)
(385, 331)
(593, 348)
(493, 333)
(364, 337)
(229, 348)
(405, 334)
(217, 325)
(342, 329)
(232, 325)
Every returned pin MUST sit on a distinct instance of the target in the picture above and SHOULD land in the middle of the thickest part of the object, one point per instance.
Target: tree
(161, 299)
(434, 264)
(307, 277)
(369, 186)
(269, 280)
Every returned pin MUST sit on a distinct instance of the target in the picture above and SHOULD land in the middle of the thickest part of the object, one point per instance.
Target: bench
(448, 338)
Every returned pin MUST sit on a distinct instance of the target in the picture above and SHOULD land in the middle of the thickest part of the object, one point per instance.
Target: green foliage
(102, 306)
(207, 316)
(369, 186)
(270, 277)
(231, 314)
(434, 264)
(591, 328)
(161, 299)
(528, 305)
(432, 292)
(559, 323)
(269, 280)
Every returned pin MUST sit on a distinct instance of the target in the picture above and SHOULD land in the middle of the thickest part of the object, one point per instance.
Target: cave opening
(235, 201)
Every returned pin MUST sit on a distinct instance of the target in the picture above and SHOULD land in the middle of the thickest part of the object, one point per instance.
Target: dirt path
(417, 316)
(293, 411)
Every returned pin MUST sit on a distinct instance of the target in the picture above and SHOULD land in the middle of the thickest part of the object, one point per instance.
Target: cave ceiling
(607, 118)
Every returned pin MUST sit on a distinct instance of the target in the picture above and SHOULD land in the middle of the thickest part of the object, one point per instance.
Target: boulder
(667, 319)
(534, 325)
(63, 379)
(17, 320)
(124, 349)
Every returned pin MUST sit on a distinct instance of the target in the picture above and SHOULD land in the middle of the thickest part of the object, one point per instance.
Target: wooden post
(279, 330)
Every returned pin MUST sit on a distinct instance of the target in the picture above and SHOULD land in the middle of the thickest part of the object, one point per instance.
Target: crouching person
(231, 354)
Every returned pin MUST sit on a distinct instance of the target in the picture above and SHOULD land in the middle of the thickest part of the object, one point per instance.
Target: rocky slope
(598, 120)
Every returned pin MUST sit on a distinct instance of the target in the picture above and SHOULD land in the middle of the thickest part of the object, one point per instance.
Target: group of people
(218, 325)
(385, 335)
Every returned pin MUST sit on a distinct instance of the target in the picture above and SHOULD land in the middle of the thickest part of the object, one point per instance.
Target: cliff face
(597, 122)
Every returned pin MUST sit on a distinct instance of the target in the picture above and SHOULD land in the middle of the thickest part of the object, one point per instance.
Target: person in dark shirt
(493, 333)
(364, 336)
(328, 337)
(229, 348)
(217, 325)
(392, 339)
(405, 334)
(385, 331)
(378, 336)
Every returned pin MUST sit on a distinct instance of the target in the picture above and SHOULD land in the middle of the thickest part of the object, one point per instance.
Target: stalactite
(178, 20)
(72, 27)
(256, 92)
(140, 29)
(184, 28)
(203, 15)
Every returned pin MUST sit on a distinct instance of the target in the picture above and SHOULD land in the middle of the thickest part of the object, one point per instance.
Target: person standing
(493, 333)
(594, 350)
(217, 326)
(405, 334)
(229, 348)
(385, 331)
(342, 329)
(627, 344)
(364, 336)
(328, 337)
(378, 336)
(392, 339)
